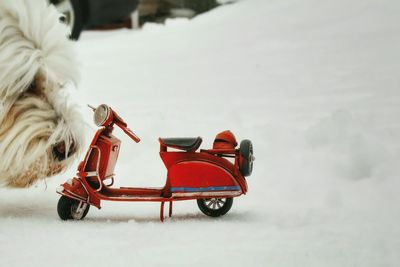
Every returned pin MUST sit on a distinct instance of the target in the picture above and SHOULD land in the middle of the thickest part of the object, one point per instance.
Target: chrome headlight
(101, 115)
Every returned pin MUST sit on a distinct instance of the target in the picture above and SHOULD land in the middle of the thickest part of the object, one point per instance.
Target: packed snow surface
(314, 84)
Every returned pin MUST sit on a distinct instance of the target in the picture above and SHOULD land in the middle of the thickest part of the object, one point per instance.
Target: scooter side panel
(201, 178)
(171, 159)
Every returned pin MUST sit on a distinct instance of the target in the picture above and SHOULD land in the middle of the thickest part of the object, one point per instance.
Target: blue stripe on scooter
(204, 189)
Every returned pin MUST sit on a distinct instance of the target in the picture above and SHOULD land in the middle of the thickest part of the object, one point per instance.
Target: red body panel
(172, 158)
(199, 174)
(193, 169)
(108, 147)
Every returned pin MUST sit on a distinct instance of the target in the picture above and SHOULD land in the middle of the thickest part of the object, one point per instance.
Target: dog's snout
(60, 152)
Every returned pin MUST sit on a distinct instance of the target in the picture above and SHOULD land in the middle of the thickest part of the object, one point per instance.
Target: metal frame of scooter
(133, 194)
(142, 194)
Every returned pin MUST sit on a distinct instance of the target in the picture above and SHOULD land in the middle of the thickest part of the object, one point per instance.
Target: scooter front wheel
(215, 207)
(71, 209)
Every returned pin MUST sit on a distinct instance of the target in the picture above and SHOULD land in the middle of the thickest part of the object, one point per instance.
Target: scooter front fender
(76, 189)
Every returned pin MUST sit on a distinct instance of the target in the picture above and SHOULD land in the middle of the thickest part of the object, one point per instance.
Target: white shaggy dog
(40, 130)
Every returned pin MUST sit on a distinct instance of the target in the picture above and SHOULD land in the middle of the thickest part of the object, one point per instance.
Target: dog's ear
(32, 41)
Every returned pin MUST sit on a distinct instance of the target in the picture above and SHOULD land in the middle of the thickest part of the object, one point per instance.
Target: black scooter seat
(185, 143)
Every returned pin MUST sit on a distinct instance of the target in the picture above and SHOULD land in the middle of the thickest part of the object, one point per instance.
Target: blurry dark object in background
(81, 14)
(111, 14)
(160, 10)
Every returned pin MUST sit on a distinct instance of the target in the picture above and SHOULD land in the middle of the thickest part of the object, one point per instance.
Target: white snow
(315, 86)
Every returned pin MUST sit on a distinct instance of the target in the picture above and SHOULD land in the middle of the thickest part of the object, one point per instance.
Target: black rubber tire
(246, 152)
(65, 207)
(219, 211)
(77, 12)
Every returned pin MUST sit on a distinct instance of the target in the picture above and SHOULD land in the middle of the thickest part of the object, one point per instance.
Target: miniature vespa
(207, 176)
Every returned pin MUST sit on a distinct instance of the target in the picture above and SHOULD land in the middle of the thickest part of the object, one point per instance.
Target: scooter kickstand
(170, 209)
(162, 211)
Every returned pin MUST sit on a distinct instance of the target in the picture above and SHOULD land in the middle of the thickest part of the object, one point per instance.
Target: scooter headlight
(102, 115)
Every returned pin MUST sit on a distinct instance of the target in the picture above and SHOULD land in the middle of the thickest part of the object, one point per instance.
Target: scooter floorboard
(132, 198)
(131, 194)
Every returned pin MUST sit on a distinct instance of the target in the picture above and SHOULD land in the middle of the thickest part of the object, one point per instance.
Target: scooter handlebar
(124, 127)
(115, 118)
(131, 134)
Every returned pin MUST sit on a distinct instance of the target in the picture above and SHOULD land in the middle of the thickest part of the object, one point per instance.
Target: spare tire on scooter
(246, 157)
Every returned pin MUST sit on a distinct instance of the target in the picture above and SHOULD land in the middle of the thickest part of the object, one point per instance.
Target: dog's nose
(59, 151)
(63, 19)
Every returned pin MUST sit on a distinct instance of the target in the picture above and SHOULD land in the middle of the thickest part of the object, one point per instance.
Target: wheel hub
(77, 210)
(214, 203)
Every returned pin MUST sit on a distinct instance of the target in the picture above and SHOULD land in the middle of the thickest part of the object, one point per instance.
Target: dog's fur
(40, 129)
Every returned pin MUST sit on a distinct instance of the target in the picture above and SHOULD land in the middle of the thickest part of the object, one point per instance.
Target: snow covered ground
(315, 86)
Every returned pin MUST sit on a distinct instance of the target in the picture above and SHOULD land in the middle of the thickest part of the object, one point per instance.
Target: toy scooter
(206, 175)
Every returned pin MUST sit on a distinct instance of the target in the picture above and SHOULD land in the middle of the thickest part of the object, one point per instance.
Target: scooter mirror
(102, 115)
(91, 107)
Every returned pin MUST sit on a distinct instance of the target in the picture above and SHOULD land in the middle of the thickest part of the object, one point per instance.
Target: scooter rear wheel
(215, 207)
(71, 209)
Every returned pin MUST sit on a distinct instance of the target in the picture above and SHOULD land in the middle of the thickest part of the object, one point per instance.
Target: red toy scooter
(207, 176)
